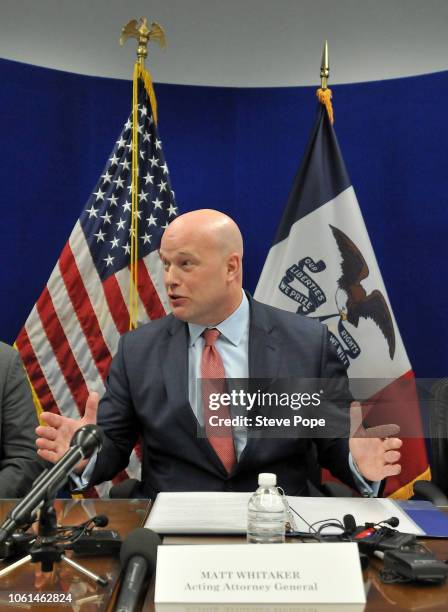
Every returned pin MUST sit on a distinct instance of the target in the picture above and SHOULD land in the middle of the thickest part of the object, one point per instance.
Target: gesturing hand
(54, 438)
(375, 449)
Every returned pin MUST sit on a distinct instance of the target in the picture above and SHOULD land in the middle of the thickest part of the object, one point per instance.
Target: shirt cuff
(367, 489)
(82, 480)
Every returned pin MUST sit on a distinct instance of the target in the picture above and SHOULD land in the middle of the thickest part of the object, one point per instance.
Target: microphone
(87, 440)
(349, 523)
(101, 520)
(393, 521)
(138, 556)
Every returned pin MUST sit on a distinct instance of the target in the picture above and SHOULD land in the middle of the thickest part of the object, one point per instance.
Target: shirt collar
(231, 328)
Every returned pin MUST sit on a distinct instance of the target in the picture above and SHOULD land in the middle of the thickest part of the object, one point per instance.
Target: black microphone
(85, 442)
(138, 556)
(393, 521)
(101, 520)
(349, 523)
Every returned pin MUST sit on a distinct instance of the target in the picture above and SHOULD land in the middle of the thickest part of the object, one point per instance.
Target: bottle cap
(267, 480)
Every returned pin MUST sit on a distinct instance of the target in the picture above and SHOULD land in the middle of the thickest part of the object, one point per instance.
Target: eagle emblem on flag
(352, 299)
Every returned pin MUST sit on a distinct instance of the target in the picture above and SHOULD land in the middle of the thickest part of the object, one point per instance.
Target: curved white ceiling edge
(236, 43)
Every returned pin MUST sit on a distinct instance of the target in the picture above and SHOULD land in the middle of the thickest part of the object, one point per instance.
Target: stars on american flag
(100, 236)
(106, 176)
(106, 220)
(93, 212)
(107, 217)
(119, 182)
(126, 164)
(99, 194)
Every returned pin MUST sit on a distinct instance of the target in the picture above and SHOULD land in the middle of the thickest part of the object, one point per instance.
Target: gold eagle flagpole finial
(140, 31)
(323, 93)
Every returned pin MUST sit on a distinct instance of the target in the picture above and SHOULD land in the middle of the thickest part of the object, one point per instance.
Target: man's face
(195, 276)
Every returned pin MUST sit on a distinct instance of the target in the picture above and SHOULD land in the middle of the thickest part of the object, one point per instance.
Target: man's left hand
(375, 449)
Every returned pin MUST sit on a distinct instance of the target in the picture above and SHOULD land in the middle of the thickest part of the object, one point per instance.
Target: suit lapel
(264, 364)
(264, 352)
(174, 359)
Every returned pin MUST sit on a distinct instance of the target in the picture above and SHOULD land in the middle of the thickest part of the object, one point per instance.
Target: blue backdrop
(236, 150)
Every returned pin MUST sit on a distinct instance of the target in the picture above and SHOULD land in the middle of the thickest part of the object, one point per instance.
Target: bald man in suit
(150, 390)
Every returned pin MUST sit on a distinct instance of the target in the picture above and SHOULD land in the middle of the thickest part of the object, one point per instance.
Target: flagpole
(143, 34)
(324, 67)
(324, 94)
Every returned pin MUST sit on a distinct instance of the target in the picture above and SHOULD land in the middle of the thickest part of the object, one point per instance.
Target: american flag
(72, 332)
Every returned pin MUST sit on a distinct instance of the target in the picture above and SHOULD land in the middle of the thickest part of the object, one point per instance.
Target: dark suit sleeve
(117, 419)
(19, 463)
(333, 450)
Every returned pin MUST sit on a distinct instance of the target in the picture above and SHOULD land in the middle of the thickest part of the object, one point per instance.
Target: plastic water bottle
(266, 513)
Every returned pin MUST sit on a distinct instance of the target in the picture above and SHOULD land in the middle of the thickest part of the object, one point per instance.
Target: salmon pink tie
(214, 381)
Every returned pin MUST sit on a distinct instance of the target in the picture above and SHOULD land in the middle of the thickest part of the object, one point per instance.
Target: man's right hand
(54, 438)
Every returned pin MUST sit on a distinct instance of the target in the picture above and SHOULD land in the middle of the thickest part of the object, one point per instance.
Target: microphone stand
(45, 549)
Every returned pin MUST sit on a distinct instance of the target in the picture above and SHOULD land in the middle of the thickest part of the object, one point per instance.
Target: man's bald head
(202, 254)
(212, 225)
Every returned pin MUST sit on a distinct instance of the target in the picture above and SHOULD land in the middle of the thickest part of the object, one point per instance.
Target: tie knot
(210, 336)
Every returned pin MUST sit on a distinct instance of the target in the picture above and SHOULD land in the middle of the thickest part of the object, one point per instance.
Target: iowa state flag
(322, 265)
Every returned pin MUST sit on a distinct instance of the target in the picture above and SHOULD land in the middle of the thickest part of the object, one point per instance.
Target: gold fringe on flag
(144, 75)
(36, 401)
(139, 73)
(407, 491)
(324, 97)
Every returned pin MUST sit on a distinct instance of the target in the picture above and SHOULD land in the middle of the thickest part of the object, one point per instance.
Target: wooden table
(87, 596)
(380, 597)
(126, 515)
(406, 596)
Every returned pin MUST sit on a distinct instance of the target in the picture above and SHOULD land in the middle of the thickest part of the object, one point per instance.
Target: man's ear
(233, 266)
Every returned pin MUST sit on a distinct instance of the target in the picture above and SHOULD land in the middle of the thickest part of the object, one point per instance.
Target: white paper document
(226, 513)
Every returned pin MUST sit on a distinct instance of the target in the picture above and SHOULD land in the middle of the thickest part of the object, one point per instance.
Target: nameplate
(259, 573)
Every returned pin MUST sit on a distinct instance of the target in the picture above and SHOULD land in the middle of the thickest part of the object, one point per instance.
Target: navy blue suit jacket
(147, 395)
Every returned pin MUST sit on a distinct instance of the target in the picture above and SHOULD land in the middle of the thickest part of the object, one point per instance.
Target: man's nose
(171, 278)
